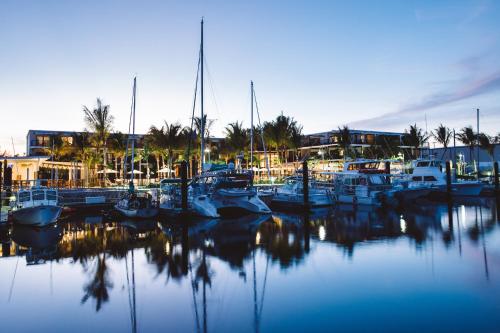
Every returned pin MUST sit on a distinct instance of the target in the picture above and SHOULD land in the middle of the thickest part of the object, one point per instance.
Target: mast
(251, 125)
(477, 142)
(202, 104)
(131, 184)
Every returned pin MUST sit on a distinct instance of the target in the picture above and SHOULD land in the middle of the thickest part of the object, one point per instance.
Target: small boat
(429, 173)
(291, 194)
(36, 206)
(135, 204)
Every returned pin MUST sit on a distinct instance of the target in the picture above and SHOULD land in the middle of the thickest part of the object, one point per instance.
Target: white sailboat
(135, 204)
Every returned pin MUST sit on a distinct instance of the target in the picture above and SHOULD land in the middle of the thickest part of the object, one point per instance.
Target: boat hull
(37, 216)
(141, 213)
(296, 201)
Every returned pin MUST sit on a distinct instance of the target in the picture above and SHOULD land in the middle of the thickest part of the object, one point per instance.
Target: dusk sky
(377, 65)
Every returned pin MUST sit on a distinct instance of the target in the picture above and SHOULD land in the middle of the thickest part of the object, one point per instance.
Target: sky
(378, 65)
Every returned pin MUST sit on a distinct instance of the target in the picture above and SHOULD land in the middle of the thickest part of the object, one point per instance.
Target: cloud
(470, 88)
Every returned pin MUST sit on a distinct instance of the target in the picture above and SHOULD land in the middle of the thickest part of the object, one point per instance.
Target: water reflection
(191, 254)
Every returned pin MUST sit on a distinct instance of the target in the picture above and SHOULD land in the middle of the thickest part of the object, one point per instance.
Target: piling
(7, 179)
(184, 189)
(448, 178)
(388, 167)
(497, 185)
(307, 233)
(305, 183)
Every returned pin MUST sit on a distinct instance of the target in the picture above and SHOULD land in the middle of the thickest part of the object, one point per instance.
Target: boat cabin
(36, 196)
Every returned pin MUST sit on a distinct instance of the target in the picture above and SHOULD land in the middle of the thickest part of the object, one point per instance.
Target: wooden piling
(184, 190)
(448, 178)
(497, 185)
(305, 183)
(388, 167)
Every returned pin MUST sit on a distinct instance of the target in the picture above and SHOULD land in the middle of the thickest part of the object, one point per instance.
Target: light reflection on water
(430, 267)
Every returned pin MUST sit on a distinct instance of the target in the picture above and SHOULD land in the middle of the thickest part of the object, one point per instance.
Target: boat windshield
(38, 195)
(378, 180)
(24, 196)
(51, 195)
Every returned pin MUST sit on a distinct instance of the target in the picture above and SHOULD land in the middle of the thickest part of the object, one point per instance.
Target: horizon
(375, 67)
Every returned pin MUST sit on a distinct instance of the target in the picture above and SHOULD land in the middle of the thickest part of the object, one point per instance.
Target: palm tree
(118, 143)
(442, 134)
(173, 141)
(415, 138)
(208, 124)
(487, 143)
(468, 138)
(345, 140)
(237, 138)
(279, 133)
(156, 141)
(99, 122)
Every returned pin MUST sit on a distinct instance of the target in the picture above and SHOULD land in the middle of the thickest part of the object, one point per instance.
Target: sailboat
(221, 190)
(135, 204)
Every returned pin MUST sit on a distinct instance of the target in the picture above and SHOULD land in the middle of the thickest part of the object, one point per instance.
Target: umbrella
(165, 170)
(107, 171)
(136, 172)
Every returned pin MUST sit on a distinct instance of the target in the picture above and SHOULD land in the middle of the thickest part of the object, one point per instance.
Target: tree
(487, 143)
(118, 145)
(468, 138)
(173, 140)
(281, 133)
(208, 124)
(237, 138)
(415, 137)
(442, 134)
(156, 141)
(99, 122)
(344, 135)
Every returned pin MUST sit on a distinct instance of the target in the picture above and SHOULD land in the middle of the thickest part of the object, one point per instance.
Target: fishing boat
(36, 206)
(291, 194)
(135, 204)
(430, 173)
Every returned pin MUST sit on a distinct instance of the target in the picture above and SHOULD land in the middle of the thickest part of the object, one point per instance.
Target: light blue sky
(372, 64)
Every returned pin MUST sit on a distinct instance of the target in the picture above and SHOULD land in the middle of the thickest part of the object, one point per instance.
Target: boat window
(24, 196)
(416, 179)
(51, 195)
(38, 195)
(423, 164)
(376, 180)
(430, 178)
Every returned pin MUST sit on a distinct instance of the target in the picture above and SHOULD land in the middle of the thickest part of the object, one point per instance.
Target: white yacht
(36, 206)
(224, 192)
(291, 194)
(430, 173)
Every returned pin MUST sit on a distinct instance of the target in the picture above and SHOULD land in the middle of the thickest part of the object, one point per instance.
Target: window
(376, 180)
(68, 140)
(51, 195)
(38, 195)
(430, 178)
(416, 179)
(423, 164)
(42, 140)
(24, 196)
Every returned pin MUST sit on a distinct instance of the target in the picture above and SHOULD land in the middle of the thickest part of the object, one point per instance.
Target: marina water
(431, 267)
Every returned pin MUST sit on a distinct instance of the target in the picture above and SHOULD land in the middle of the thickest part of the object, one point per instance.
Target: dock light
(321, 153)
(322, 233)
(257, 238)
(402, 224)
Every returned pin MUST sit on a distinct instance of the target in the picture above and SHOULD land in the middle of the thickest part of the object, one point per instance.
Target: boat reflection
(186, 252)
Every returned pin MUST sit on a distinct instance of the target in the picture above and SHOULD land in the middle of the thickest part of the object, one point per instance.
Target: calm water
(336, 270)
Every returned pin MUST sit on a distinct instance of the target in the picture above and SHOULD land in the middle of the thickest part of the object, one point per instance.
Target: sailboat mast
(131, 185)
(202, 129)
(251, 125)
